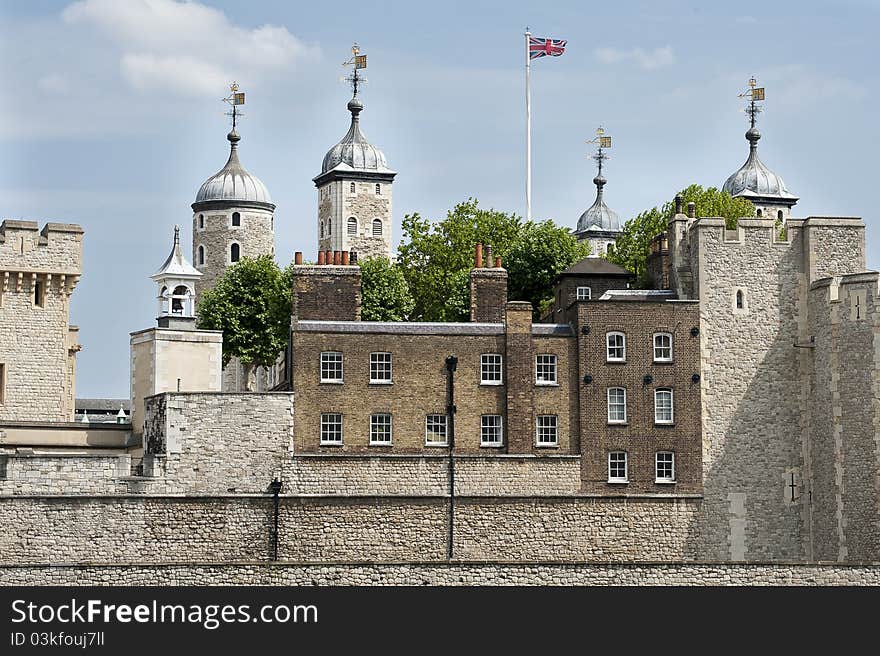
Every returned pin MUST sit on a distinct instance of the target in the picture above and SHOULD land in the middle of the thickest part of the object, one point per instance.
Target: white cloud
(185, 47)
(647, 59)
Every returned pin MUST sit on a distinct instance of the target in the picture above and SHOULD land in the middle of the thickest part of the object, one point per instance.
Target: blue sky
(111, 116)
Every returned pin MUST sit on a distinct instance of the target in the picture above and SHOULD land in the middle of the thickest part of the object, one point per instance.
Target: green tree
(632, 246)
(385, 295)
(436, 258)
(251, 304)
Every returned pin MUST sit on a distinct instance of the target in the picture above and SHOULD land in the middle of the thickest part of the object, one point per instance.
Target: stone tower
(233, 217)
(354, 190)
(599, 225)
(754, 180)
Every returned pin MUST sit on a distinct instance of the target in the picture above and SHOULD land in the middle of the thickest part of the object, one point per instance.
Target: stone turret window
(236, 219)
(322, 229)
(352, 225)
(779, 215)
(234, 253)
(378, 189)
(39, 294)
(760, 212)
(201, 221)
(2, 382)
(200, 255)
(329, 227)
(377, 227)
(351, 188)
(740, 300)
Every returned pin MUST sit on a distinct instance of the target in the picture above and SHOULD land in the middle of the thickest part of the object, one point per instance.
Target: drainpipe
(451, 364)
(275, 487)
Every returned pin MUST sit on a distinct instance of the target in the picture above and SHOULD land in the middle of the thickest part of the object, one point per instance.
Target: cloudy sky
(112, 116)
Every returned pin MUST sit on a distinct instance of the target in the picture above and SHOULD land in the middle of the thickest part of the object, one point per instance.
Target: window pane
(663, 406)
(665, 466)
(435, 429)
(546, 429)
(380, 367)
(380, 429)
(663, 346)
(331, 366)
(616, 404)
(331, 428)
(583, 293)
(490, 368)
(545, 369)
(617, 466)
(490, 430)
(616, 346)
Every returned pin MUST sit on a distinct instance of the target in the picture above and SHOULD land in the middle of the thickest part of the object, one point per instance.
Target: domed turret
(233, 182)
(599, 224)
(754, 180)
(354, 186)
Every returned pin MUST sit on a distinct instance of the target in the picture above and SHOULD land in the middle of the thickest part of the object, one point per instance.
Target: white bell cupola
(176, 281)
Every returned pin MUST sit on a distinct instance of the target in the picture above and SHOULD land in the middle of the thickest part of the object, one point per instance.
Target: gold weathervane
(357, 62)
(235, 98)
(754, 94)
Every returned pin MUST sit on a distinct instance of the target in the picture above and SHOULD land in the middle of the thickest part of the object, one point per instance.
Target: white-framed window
(380, 368)
(664, 467)
(616, 405)
(200, 258)
(546, 430)
(491, 369)
(377, 227)
(331, 367)
(615, 347)
(545, 369)
(584, 293)
(380, 428)
(236, 219)
(378, 189)
(234, 252)
(352, 225)
(617, 467)
(331, 428)
(491, 430)
(662, 347)
(435, 430)
(663, 411)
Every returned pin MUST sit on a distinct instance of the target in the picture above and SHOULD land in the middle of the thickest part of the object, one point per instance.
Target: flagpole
(528, 132)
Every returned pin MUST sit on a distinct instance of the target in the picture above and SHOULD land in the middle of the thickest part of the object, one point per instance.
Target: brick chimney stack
(488, 288)
(329, 290)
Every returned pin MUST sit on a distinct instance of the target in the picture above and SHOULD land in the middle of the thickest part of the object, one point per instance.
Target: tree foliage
(251, 304)
(385, 295)
(632, 246)
(436, 258)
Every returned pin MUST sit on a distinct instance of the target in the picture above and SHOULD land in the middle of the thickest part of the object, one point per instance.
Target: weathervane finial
(754, 94)
(357, 62)
(603, 142)
(235, 98)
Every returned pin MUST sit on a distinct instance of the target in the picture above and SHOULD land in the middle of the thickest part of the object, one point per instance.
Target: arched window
(178, 299)
(739, 300)
(236, 219)
(615, 346)
(200, 258)
(352, 225)
(201, 221)
(760, 212)
(234, 252)
(377, 227)
(378, 189)
(351, 188)
(779, 215)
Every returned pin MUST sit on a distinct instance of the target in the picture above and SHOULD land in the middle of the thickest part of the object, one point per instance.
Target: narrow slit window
(39, 294)
(234, 253)
(201, 257)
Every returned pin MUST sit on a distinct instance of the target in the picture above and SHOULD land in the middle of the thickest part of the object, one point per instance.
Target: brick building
(616, 382)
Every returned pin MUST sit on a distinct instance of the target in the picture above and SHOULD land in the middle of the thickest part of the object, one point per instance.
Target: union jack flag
(545, 47)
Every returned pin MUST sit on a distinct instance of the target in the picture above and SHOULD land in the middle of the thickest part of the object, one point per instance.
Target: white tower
(176, 280)
(354, 187)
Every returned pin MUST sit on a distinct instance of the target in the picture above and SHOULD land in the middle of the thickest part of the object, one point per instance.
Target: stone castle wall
(443, 574)
(37, 346)
(336, 203)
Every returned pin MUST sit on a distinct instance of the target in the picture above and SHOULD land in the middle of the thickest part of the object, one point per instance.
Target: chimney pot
(345, 258)
(478, 256)
(321, 258)
(298, 257)
(328, 258)
(692, 210)
(497, 262)
(337, 258)
(488, 256)
(678, 203)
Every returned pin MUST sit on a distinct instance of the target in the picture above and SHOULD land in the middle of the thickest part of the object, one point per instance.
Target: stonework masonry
(337, 204)
(38, 272)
